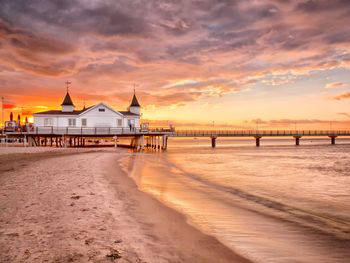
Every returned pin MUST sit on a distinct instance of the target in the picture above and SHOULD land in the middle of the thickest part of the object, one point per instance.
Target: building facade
(99, 115)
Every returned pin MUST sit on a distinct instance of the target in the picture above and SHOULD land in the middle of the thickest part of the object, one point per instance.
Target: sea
(274, 203)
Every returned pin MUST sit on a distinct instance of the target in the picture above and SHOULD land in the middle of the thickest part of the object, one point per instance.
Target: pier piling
(333, 139)
(297, 140)
(213, 142)
(257, 141)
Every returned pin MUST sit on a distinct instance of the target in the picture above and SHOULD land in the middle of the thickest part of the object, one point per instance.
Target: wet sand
(77, 205)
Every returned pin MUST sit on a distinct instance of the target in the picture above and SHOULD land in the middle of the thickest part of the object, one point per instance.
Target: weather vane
(68, 83)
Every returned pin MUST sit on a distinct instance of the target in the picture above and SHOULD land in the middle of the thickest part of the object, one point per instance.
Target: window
(48, 122)
(119, 122)
(83, 122)
(71, 122)
(101, 110)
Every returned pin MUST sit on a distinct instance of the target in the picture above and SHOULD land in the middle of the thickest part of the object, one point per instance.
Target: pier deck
(158, 137)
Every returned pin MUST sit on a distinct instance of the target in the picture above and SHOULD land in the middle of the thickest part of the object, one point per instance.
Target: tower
(135, 106)
(67, 104)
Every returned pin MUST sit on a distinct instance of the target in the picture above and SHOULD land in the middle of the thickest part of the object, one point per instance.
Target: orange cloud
(342, 96)
(335, 85)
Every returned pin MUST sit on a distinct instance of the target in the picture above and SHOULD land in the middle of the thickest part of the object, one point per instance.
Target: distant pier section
(156, 138)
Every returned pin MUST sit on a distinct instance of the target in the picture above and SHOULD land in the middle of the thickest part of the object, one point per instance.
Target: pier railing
(81, 131)
(255, 133)
(109, 131)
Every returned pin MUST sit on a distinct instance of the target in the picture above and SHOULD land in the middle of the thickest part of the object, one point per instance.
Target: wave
(268, 207)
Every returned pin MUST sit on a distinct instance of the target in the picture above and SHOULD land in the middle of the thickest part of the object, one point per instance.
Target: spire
(67, 100)
(134, 102)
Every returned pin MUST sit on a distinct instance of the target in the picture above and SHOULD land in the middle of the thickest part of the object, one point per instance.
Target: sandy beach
(77, 205)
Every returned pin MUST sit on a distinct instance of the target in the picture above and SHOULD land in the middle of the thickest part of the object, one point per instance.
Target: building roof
(67, 100)
(59, 112)
(134, 102)
(128, 113)
(77, 112)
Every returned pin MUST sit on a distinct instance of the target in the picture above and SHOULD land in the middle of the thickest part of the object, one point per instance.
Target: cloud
(7, 104)
(335, 85)
(34, 53)
(103, 18)
(344, 114)
(223, 45)
(345, 95)
(313, 6)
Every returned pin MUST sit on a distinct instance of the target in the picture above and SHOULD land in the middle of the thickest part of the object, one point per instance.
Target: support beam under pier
(297, 140)
(257, 141)
(333, 139)
(164, 142)
(213, 142)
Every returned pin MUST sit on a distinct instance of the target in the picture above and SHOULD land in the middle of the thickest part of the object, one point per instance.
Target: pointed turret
(135, 106)
(67, 104)
(134, 102)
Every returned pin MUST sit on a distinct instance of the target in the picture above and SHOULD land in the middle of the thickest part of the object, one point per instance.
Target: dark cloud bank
(157, 42)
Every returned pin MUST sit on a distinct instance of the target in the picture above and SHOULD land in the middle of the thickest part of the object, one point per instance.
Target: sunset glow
(196, 64)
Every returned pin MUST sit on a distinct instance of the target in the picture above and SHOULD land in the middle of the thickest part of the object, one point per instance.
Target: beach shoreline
(78, 205)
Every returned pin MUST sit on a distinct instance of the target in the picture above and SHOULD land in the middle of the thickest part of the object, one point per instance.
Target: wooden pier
(156, 138)
(259, 134)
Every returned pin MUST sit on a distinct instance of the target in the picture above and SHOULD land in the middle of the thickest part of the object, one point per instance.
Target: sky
(194, 63)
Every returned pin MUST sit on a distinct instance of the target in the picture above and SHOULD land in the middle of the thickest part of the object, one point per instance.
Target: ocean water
(275, 203)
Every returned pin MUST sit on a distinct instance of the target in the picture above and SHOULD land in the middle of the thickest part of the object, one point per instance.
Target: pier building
(99, 115)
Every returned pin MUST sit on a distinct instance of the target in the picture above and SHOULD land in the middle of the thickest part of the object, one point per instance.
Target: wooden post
(333, 139)
(115, 141)
(165, 142)
(31, 141)
(257, 141)
(213, 142)
(297, 140)
(142, 142)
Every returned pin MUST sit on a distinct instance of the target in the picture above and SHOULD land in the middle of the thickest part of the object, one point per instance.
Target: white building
(99, 115)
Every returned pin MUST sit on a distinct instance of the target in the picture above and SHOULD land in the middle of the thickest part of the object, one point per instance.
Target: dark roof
(128, 113)
(60, 112)
(134, 102)
(67, 100)
(77, 112)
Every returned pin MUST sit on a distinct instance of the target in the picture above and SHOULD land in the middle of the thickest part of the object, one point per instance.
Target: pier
(156, 138)
(259, 134)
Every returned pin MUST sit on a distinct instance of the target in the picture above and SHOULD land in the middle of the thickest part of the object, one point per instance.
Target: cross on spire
(67, 84)
(134, 89)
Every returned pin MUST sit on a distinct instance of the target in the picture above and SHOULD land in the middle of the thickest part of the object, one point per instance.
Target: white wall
(95, 118)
